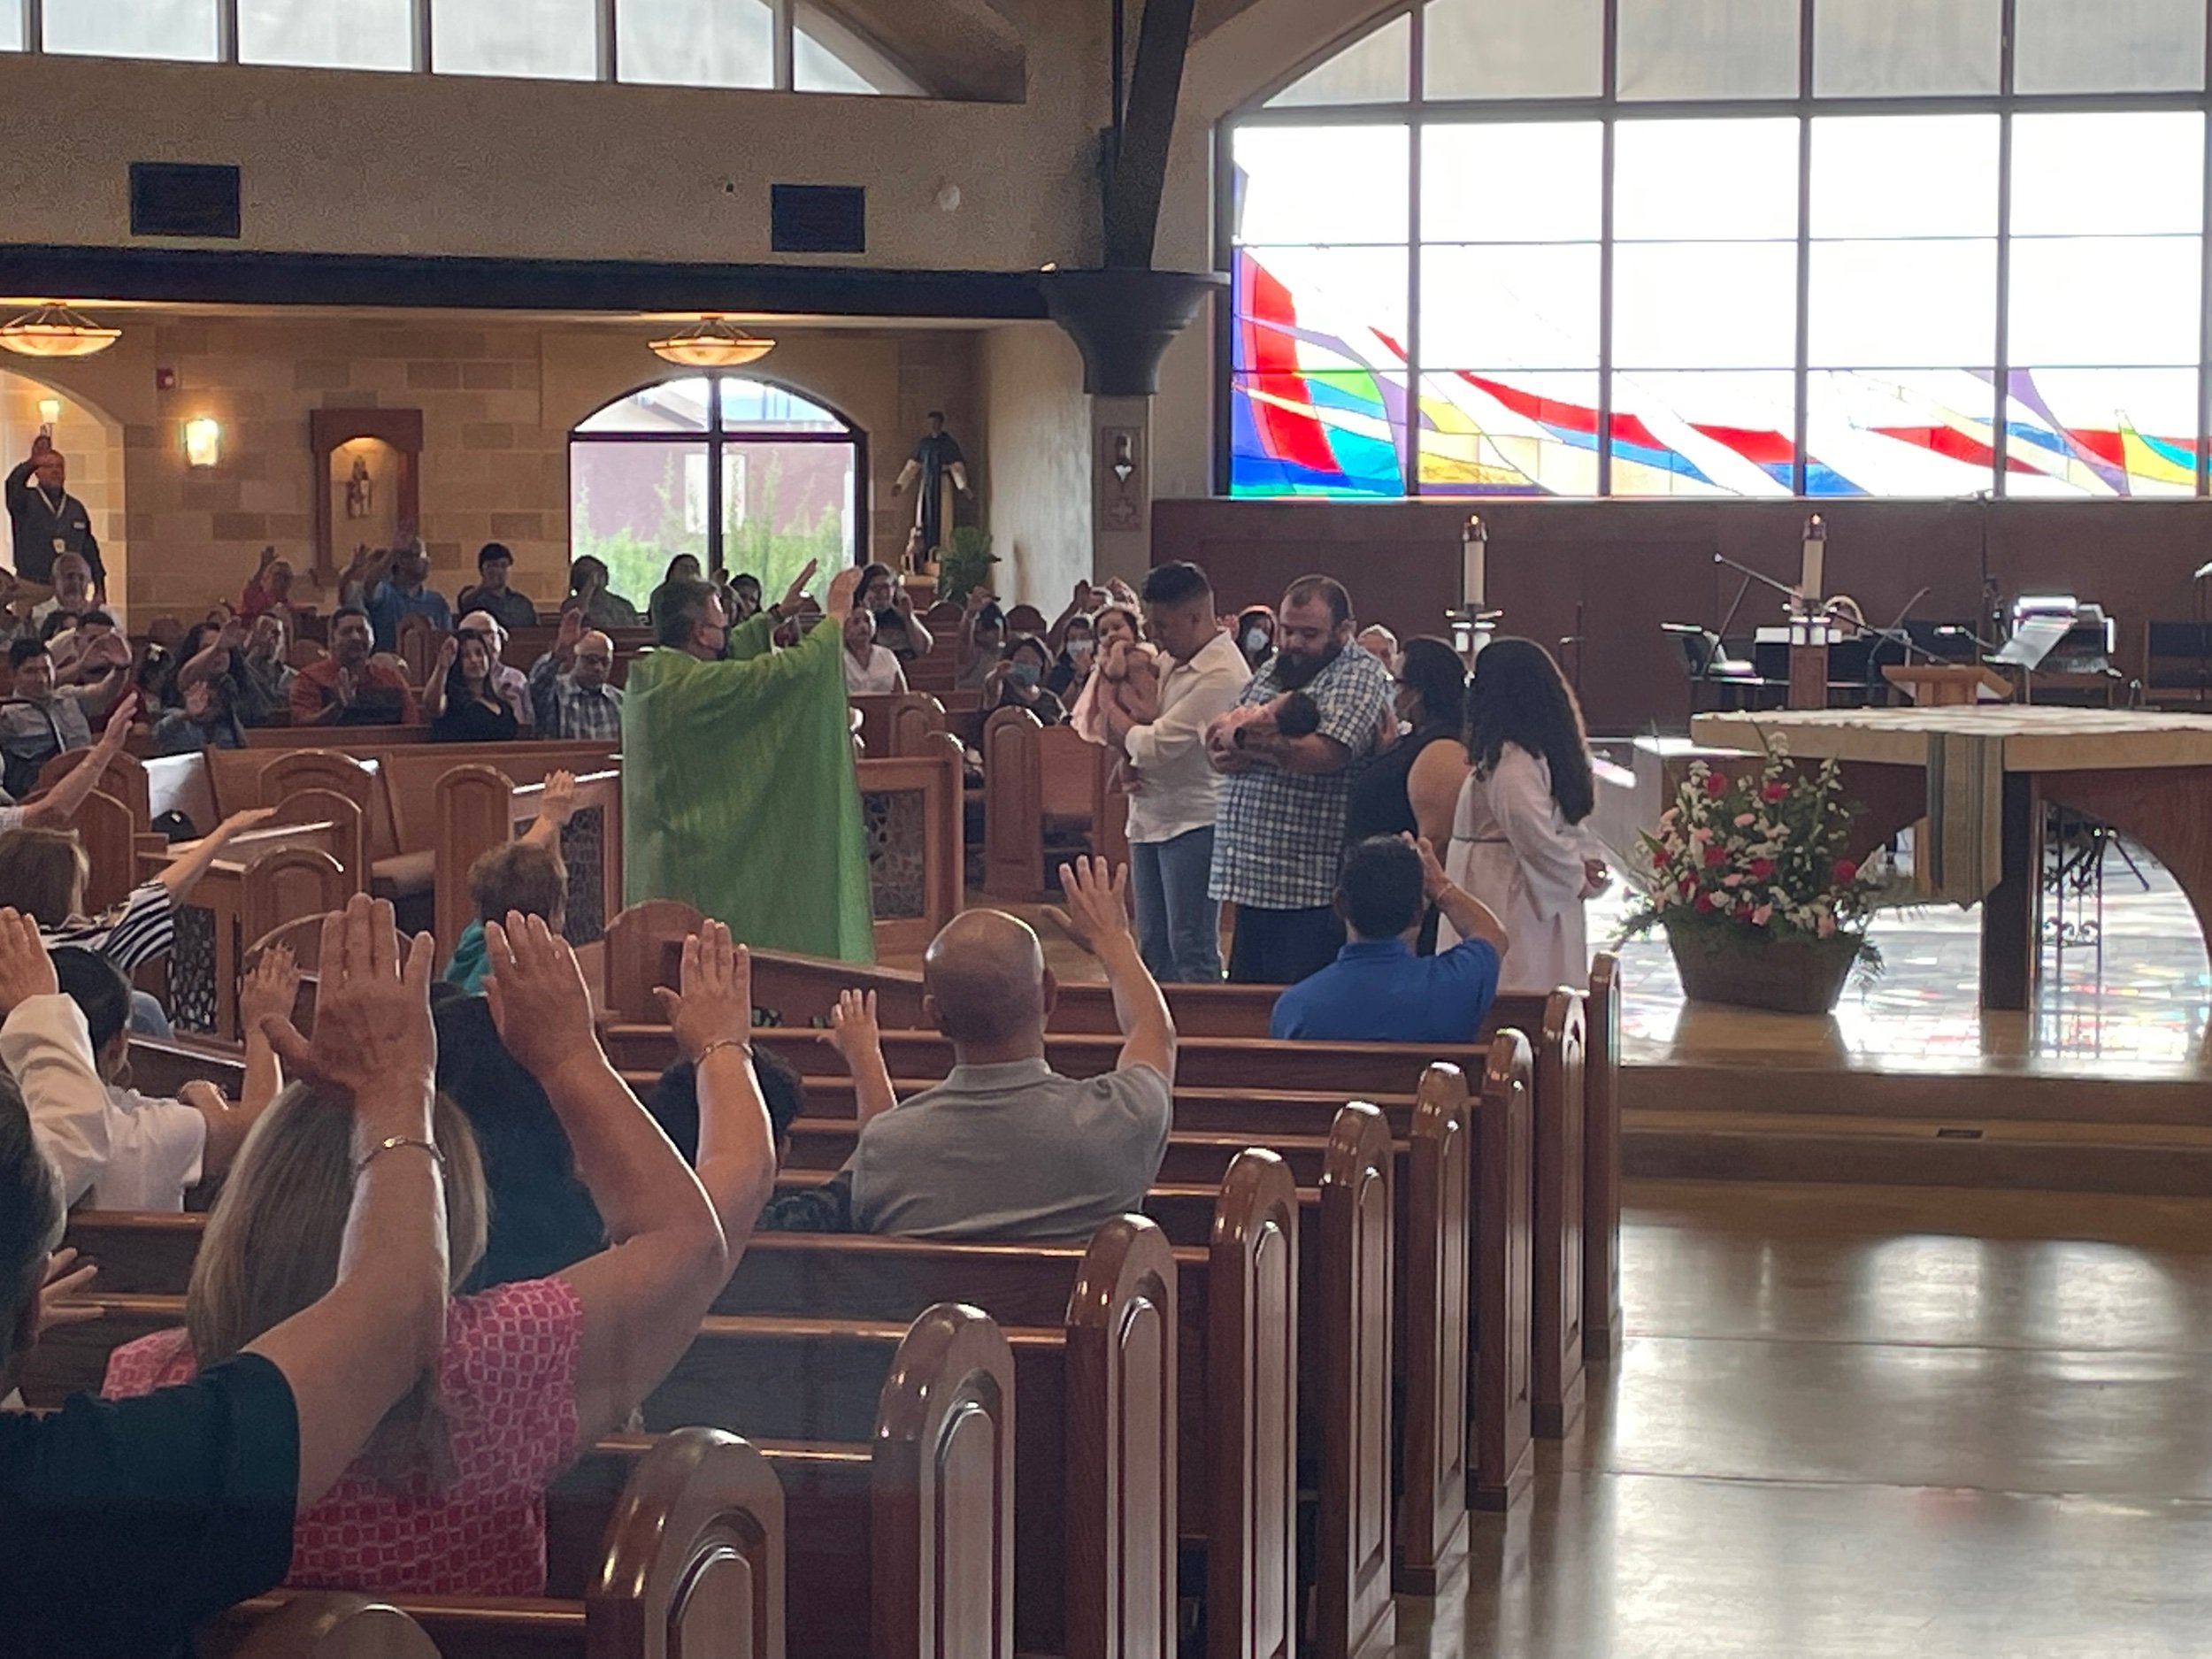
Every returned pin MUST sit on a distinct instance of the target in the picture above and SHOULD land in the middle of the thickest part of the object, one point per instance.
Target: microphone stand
(1827, 611)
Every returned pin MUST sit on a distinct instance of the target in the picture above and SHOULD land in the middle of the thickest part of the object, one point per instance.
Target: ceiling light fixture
(712, 342)
(55, 331)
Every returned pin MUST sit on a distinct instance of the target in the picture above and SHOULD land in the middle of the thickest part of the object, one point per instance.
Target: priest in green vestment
(738, 791)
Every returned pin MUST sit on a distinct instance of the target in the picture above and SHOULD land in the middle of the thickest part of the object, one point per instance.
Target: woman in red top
(268, 588)
(449, 1497)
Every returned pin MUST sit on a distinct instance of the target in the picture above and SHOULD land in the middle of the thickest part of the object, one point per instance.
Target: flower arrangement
(1758, 861)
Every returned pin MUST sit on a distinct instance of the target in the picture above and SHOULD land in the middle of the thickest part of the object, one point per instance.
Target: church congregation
(1051, 828)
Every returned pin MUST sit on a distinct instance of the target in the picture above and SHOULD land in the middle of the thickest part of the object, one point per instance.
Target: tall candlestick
(1474, 549)
(1810, 572)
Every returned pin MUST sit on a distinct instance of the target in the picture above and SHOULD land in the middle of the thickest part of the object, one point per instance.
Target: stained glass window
(1851, 344)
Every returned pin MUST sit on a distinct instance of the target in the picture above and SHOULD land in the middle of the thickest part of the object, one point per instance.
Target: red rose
(1846, 871)
(1715, 855)
(1704, 901)
(1774, 791)
(1743, 910)
(1762, 868)
(1715, 784)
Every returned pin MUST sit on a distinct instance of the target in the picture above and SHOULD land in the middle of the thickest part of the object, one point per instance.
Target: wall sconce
(203, 441)
(50, 410)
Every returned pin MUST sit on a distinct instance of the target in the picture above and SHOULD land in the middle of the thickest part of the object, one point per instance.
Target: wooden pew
(798, 990)
(1041, 784)
(480, 806)
(899, 1543)
(317, 1624)
(797, 1343)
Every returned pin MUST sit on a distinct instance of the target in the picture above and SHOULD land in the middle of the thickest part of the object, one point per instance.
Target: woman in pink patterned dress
(450, 1496)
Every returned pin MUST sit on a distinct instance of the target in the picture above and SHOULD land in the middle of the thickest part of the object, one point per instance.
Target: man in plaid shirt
(569, 689)
(1279, 838)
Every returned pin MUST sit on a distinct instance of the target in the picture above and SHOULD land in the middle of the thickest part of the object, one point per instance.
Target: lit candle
(1474, 548)
(1816, 546)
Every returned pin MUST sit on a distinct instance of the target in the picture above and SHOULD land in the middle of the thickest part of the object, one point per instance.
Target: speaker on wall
(184, 199)
(818, 219)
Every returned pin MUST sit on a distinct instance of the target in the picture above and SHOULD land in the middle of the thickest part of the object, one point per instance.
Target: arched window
(1479, 250)
(741, 473)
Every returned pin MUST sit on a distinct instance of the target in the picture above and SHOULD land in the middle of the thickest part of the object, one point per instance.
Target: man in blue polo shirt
(1377, 990)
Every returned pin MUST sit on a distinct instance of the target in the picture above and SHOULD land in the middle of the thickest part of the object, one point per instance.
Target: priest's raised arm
(738, 794)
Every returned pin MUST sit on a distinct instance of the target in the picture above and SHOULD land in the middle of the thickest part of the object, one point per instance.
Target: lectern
(1946, 685)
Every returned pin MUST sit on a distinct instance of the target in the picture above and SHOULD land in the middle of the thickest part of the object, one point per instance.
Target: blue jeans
(1179, 928)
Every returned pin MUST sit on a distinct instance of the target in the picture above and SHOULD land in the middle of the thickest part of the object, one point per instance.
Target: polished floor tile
(1869, 1422)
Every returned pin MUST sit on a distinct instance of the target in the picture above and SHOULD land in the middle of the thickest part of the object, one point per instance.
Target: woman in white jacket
(1517, 840)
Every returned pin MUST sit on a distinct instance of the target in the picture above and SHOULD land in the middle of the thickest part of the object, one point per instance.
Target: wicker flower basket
(1750, 969)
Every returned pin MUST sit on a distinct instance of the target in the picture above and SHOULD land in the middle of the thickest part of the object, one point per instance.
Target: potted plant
(1749, 877)
(965, 565)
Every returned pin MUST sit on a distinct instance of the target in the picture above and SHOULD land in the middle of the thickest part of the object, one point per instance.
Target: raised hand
(558, 804)
(1434, 880)
(270, 988)
(902, 600)
(977, 598)
(448, 653)
(238, 823)
(372, 1032)
(853, 1031)
(538, 997)
(343, 687)
(1097, 914)
(26, 970)
(799, 585)
(715, 1005)
(113, 734)
(844, 591)
(59, 1293)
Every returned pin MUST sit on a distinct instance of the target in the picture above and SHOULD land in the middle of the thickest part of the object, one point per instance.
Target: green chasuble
(738, 792)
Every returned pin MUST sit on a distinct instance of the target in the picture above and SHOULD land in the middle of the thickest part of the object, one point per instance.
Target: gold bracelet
(392, 1143)
(744, 1045)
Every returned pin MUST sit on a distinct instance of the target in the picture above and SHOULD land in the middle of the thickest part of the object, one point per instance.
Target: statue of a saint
(360, 489)
(937, 454)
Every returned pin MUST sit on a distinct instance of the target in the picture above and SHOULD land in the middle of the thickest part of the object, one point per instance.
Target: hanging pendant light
(55, 331)
(712, 342)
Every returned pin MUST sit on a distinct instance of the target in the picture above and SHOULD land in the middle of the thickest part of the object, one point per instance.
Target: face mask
(1081, 647)
(1255, 640)
(1026, 673)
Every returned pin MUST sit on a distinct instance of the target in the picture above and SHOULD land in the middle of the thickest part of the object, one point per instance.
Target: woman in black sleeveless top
(1413, 786)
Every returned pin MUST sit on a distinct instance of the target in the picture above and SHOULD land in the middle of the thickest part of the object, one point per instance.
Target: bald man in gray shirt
(1006, 1147)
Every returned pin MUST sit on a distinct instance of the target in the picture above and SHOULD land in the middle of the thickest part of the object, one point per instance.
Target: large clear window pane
(1708, 49)
(181, 29)
(1688, 180)
(1899, 432)
(827, 56)
(1322, 184)
(696, 42)
(1514, 49)
(1700, 305)
(1347, 304)
(2105, 299)
(10, 29)
(552, 40)
(1521, 305)
(1703, 434)
(1890, 304)
(1316, 433)
(761, 405)
(2110, 46)
(1375, 70)
(784, 504)
(637, 506)
(327, 33)
(1886, 49)
(1518, 181)
(2100, 431)
(671, 406)
(1507, 432)
(1905, 176)
(2126, 173)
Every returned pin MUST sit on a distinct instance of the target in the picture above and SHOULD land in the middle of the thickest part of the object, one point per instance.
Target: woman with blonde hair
(449, 1497)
